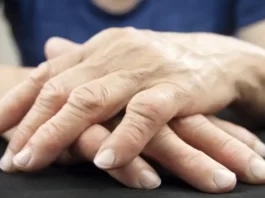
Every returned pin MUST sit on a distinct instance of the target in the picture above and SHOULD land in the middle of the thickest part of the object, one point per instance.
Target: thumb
(56, 46)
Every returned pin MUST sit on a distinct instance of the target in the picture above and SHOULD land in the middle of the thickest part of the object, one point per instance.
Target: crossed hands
(70, 108)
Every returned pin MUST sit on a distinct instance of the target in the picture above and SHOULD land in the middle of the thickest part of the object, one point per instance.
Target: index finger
(19, 100)
(15, 104)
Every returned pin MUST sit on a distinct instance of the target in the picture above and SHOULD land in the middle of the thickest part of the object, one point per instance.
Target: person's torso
(34, 21)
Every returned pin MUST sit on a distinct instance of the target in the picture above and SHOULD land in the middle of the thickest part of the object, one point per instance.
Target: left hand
(189, 164)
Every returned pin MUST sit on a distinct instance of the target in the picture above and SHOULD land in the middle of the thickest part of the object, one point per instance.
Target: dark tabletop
(86, 181)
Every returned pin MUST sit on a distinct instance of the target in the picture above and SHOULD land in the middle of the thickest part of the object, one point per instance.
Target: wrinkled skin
(142, 71)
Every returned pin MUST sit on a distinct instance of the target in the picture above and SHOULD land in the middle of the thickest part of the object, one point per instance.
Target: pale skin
(179, 147)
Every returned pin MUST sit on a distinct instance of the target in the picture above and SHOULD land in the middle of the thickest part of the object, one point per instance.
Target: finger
(67, 158)
(20, 99)
(137, 174)
(57, 46)
(8, 134)
(145, 114)
(241, 134)
(232, 153)
(91, 103)
(16, 103)
(50, 100)
(191, 165)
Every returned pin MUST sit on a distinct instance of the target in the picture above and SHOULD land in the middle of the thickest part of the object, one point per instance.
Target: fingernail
(105, 159)
(224, 178)
(6, 163)
(257, 167)
(149, 180)
(22, 158)
(260, 148)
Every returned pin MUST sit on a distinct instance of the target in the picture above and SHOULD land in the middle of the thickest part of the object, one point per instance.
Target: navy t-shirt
(34, 21)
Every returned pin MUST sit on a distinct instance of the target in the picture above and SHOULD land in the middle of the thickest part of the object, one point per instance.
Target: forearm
(253, 33)
(11, 76)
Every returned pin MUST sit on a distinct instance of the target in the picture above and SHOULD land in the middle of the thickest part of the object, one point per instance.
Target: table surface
(86, 181)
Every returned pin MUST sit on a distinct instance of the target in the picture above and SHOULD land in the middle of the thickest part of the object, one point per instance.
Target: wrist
(250, 80)
(250, 84)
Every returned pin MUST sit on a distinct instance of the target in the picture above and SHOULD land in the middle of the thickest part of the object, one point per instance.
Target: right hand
(168, 158)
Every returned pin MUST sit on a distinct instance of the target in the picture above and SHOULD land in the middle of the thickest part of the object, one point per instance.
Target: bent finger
(90, 103)
(145, 114)
(137, 174)
(15, 104)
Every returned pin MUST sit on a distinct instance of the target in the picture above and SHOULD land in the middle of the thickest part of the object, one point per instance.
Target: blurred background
(8, 51)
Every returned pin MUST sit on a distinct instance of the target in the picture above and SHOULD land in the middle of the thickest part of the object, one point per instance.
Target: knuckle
(138, 131)
(229, 146)
(89, 100)
(193, 159)
(149, 112)
(52, 136)
(164, 135)
(52, 93)
(161, 140)
(24, 131)
(194, 123)
(40, 75)
(22, 135)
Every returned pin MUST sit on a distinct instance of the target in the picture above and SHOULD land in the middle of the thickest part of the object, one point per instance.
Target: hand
(225, 95)
(190, 165)
(11, 76)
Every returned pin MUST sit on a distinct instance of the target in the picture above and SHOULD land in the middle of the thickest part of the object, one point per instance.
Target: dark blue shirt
(34, 21)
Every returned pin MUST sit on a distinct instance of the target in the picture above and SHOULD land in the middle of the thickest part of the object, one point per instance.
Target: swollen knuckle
(89, 100)
(150, 113)
(53, 91)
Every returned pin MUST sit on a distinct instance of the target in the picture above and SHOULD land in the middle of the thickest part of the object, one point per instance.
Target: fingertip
(149, 180)
(105, 159)
(225, 180)
(22, 159)
(138, 175)
(259, 148)
(257, 169)
(6, 163)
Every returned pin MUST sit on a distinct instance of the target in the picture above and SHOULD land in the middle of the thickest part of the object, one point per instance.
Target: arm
(250, 21)
(254, 33)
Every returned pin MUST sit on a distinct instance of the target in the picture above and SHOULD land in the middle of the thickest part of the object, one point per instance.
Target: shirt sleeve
(249, 12)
